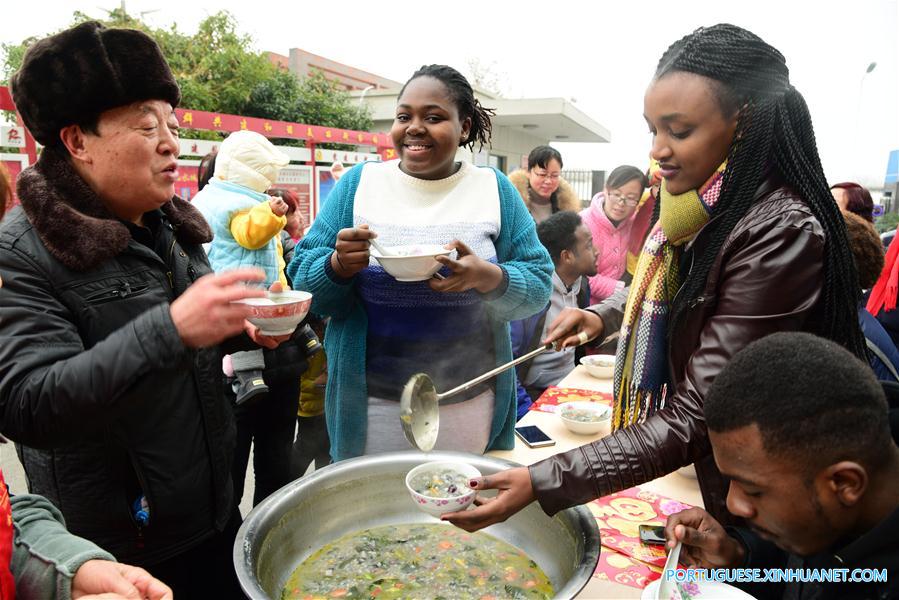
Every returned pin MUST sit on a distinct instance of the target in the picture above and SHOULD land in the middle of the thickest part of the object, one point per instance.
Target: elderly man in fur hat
(110, 364)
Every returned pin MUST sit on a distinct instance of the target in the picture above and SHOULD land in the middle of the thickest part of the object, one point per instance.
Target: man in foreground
(800, 428)
(110, 370)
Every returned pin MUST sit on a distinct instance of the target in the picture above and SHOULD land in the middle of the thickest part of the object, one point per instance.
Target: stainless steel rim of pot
(369, 491)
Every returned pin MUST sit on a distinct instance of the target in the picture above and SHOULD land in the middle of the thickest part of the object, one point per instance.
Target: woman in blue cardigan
(383, 331)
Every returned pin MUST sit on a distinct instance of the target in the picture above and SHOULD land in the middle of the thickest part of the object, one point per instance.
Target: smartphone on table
(533, 436)
(652, 535)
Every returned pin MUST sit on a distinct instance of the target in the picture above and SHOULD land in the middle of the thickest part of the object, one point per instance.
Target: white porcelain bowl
(598, 415)
(411, 263)
(278, 313)
(698, 590)
(601, 366)
(439, 506)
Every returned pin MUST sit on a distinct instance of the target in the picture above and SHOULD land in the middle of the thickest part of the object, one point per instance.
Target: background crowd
(134, 387)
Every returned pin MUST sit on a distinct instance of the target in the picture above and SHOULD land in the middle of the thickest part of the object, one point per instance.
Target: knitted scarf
(641, 365)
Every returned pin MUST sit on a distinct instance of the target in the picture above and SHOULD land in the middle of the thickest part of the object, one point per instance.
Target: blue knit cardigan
(519, 253)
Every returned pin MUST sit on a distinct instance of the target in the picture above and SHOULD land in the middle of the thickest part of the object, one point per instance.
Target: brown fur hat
(75, 75)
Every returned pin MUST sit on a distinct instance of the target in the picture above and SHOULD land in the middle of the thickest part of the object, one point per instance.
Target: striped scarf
(641, 365)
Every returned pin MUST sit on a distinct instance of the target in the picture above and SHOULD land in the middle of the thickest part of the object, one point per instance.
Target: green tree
(219, 71)
(14, 53)
(314, 101)
(12, 57)
(216, 68)
(276, 97)
(324, 102)
(887, 222)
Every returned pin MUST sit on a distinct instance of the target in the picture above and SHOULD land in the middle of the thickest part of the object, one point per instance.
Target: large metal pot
(370, 491)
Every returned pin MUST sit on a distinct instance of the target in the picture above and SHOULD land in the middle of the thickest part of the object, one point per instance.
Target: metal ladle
(419, 404)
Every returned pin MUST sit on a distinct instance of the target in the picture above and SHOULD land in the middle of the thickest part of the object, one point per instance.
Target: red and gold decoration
(198, 119)
(624, 559)
(550, 399)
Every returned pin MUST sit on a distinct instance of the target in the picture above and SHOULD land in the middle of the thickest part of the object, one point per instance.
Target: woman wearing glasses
(610, 219)
(541, 187)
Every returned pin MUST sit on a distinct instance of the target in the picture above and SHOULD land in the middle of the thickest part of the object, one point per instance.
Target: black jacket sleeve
(52, 389)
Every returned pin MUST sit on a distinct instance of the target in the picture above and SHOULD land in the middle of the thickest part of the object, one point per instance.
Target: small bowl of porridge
(585, 418)
(601, 366)
(442, 487)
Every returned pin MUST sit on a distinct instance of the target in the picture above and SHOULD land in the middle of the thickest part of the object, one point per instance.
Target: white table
(674, 486)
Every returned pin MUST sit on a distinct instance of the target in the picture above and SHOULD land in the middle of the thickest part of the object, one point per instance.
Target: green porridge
(418, 561)
(582, 415)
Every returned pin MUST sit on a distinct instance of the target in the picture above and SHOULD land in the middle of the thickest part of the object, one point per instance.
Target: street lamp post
(362, 95)
(859, 154)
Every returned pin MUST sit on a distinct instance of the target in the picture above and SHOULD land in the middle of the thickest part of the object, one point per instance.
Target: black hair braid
(466, 103)
(798, 153)
(774, 134)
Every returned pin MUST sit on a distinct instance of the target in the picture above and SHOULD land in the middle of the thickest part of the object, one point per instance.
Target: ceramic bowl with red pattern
(442, 487)
(278, 313)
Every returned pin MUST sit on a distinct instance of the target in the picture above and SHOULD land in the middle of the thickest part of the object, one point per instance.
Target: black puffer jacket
(103, 399)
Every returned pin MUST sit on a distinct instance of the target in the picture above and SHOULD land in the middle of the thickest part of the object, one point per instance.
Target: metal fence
(585, 183)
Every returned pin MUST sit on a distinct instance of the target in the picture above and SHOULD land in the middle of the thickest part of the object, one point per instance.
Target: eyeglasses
(631, 200)
(545, 175)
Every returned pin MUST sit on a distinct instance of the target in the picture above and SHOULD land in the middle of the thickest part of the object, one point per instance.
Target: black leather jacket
(103, 399)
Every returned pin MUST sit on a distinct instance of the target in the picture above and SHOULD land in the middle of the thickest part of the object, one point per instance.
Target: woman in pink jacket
(610, 218)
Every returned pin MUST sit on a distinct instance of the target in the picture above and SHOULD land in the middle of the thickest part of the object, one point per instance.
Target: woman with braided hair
(748, 242)
(383, 331)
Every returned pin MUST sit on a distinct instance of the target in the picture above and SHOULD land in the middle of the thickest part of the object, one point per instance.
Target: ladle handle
(494, 372)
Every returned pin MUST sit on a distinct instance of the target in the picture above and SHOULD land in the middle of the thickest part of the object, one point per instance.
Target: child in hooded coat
(246, 224)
